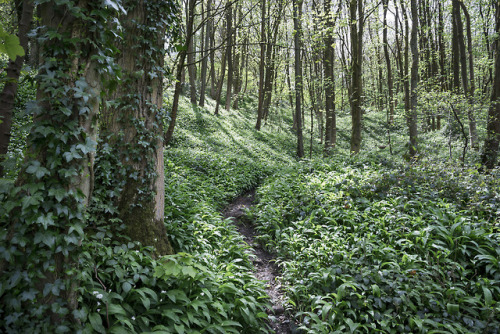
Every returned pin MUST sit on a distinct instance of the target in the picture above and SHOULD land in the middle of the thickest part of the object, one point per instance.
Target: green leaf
(126, 287)
(189, 271)
(9, 44)
(116, 309)
(488, 299)
(453, 308)
(96, 322)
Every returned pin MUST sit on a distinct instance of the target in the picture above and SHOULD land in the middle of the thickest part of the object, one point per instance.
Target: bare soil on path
(265, 267)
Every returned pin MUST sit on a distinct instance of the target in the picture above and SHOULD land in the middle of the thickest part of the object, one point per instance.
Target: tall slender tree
(490, 152)
(412, 113)
(328, 65)
(356, 29)
(297, 25)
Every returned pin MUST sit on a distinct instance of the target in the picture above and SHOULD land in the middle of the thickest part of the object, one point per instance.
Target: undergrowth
(367, 248)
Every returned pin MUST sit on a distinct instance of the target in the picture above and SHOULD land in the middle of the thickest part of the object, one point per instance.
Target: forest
(249, 166)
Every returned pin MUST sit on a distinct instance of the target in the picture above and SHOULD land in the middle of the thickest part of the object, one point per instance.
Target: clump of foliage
(364, 247)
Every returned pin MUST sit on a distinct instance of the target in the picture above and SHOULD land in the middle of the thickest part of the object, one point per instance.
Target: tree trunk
(13, 71)
(472, 118)
(297, 19)
(357, 22)
(229, 52)
(491, 143)
(239, 57)
(442, 50)
(213, 88)
(455, 51)
(132, 129)
(412, 117)
(58, 171)
(190, 56)
(178, 76)
(204, 63)
(261, 65)
(388, 64)
(328, 63)
(221, 81)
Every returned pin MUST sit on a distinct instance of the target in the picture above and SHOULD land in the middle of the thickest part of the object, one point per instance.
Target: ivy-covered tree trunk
(42, 215)
(9, 90)
(131, 125)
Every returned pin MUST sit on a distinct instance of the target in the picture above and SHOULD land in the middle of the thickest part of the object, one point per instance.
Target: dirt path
(265, 268)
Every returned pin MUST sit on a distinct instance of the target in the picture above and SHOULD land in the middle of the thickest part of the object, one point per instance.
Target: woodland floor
(265, 267)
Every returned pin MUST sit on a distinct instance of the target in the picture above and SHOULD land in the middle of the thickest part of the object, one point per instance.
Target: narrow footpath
(265, 267)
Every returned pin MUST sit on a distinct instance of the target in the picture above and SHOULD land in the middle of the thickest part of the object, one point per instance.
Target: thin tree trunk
(13, 71)
(270, 67)
(455, 50)
(213, 79)
(206, 46)
(178, 76)
(190, 57)
(328, 63)
(491, 143)
(297, 17)
(229, 52)
(412, 117)
(221, 81)
(357, 22)
(388, 64)
(261, 65)
(472, 118)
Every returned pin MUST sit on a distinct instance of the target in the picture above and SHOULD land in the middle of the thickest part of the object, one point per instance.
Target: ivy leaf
(59, 193)
(38, 170)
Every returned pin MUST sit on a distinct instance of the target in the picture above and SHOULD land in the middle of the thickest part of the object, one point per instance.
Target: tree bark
(297, 17)
(388, 64)
(229, 52)
(412, 117)
(204, 63)
(491, 143)
(357, 23)
(132, 129)
(455, 50)
(470, 94)
(13, 71)
(258, 125)
(328, 63)
(178, 76)
(190, 55)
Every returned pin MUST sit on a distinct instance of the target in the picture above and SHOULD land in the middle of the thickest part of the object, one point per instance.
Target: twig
(104, 287)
